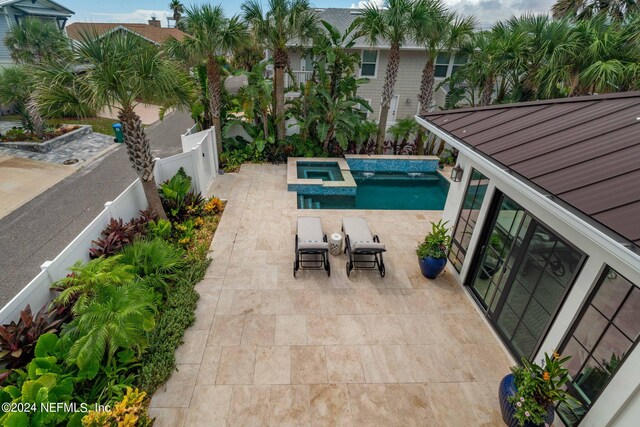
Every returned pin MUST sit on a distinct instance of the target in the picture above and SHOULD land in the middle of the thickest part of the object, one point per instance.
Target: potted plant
(432, 252)
(529, 393)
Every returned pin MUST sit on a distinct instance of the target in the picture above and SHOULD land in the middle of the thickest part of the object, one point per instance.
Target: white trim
(589, 231)
(375, 73)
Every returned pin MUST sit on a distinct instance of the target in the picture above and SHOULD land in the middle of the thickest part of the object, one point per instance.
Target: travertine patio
(268, 349)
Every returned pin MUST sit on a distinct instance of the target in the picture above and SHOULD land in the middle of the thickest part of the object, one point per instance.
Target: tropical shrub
(156, 262)
(131, 411)
(213, 206)
(118, 234)
(178, 200)
(116, 317)
(45, 380)
(18, 340)
(159, 229)
(79, 287)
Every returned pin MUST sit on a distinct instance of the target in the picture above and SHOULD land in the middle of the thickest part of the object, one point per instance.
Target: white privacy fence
(199, 161)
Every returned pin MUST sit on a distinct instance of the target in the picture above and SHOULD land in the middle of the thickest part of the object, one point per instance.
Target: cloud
(364, 3)
(487, 12)
(137, 16)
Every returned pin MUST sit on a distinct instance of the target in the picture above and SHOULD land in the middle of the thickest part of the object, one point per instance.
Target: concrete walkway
(40, 229)
(269, 349)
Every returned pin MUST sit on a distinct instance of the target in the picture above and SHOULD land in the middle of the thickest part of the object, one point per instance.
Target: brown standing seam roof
(583, 150)
(156, 34)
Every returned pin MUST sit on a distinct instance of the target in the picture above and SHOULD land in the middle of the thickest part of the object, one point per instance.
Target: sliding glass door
(521, 275)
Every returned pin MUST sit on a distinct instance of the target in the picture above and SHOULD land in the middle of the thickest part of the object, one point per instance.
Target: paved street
(43, 227)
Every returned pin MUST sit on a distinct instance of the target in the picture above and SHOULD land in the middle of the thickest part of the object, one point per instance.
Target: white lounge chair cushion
(360, 236)
(310, 235)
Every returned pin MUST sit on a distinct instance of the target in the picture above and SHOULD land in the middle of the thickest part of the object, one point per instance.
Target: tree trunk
(426, 87)
(215, 96)
(387, 93)
(37, 123)
(280, 62)
(420, 142)
(139, 151)
(487, 92)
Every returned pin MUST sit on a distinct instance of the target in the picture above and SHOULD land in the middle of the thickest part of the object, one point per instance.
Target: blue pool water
(386, 190)
(326, 171)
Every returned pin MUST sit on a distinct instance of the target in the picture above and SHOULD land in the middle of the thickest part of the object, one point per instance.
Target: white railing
(199, 161)
(299, 77)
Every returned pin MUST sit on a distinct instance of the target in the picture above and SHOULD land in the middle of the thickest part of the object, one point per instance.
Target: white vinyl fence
(199, 161)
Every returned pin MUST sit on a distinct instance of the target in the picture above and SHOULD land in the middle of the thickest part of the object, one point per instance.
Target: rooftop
(584, 150)
(157, 35)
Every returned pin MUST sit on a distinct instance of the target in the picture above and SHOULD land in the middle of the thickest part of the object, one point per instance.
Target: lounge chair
(312, 248)
(364, 249)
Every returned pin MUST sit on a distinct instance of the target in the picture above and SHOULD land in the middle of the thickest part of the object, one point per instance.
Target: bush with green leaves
(44, 380)
(155, 262)
(178, 200)
(160, 229)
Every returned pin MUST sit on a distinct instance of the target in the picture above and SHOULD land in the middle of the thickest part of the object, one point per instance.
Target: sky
(486, 11)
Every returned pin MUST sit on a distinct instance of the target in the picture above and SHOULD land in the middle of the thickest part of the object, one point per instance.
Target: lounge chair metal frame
(376, 262)
(313, 263)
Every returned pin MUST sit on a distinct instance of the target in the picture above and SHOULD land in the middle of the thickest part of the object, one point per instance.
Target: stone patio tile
(304, 301)
(408, 405)
(276, 301)
(246, 301)
(379, 364)
(273, 365)
(226, 330)
(308, 365)
(192, 348)
(168, 417)
(323, 330)
(417, 329)
(237, 365)
(383, 329)
(290, 405)
(210, 406)
(209, 366)
(450, 405)
(368, 405)
(209, 287)
(205, 310)
(250, 405)
(344, 364)
(291, 330)
(330, 405)
(177, 391)
(482, 397)
(265, 277)
(259, 329)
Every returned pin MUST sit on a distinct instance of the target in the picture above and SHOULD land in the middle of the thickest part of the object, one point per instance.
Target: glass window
(369, 60)
(466, 222)
(442, 64)
(602, 336)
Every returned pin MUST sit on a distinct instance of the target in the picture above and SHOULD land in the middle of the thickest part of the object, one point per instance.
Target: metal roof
(583, 150)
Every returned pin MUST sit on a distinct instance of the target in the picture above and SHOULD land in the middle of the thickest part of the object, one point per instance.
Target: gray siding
(5, 57)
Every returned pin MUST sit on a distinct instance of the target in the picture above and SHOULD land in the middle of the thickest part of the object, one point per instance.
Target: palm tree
(441, 31)
(122, 70)
(35, 41)
(212, 35)
(284, 22)
(586, 9)
(177, 9)
(396, 23)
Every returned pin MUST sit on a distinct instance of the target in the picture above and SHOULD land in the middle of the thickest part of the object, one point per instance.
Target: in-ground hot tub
(326, 171)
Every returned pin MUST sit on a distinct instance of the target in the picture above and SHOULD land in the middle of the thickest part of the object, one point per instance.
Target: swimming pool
(368, 182)
(386, 191)
(326, 171)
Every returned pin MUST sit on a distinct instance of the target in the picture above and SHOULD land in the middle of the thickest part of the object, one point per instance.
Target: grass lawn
(99, 124)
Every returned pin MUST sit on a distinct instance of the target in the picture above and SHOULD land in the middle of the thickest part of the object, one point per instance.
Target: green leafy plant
(116, 317)
(156, 262)
(130, 411)
(436, 243)
(78, 288)
(159, 229)
(178, 313)
(45, 380)
(539, 387)
(18, 340)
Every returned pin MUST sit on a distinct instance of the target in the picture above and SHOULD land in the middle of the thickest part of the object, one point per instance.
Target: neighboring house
(374, 62)
(12, 11)
(153, 32)
(546, 237)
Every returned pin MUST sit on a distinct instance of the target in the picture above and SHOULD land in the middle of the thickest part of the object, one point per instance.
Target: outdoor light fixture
(456, 174)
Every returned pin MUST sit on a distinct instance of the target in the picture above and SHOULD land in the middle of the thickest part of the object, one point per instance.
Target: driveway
(43, 227)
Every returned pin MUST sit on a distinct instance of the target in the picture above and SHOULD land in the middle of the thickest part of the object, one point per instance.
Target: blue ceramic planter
(432, 267)
(507, 389)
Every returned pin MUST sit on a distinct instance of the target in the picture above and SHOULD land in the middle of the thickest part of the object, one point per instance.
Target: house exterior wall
(407, 86)
(6, 20)
(619, 403)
